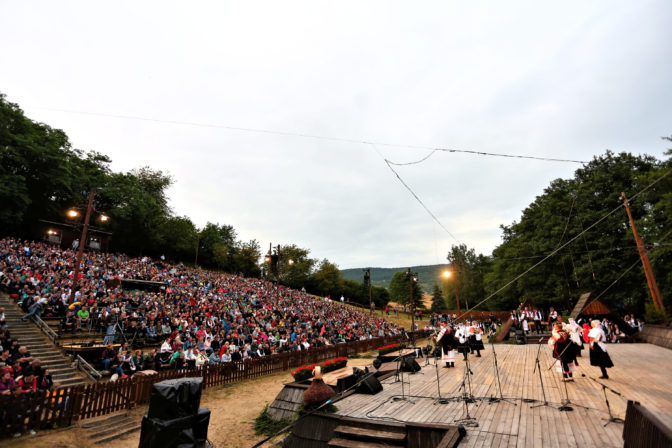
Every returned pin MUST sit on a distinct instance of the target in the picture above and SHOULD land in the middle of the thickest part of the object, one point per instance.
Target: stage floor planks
(642, 372)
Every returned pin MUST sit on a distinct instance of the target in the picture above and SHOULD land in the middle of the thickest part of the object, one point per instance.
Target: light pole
(447, 274)
(412, 278)
(367, 284)
(82, 241)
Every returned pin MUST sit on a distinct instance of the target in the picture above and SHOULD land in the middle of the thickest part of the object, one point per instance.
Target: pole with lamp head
(82, 242)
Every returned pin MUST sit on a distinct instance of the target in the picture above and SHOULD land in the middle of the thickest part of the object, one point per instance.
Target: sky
(277, 117)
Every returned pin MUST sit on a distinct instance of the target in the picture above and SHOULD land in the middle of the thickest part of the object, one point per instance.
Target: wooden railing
(46, 329)
(87, 369)
(643, 429)
(65, 406)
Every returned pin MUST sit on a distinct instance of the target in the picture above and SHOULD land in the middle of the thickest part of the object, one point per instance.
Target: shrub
(389, 348)
(305, 372)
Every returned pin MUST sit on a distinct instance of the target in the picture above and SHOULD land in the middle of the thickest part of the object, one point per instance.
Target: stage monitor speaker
(174, 433)
(200, 427)
(410, 365)
(369, 385)
(172, 399)
(345, 383)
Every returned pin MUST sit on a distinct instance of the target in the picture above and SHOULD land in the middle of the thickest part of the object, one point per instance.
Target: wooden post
(80, 248)
(648, 271)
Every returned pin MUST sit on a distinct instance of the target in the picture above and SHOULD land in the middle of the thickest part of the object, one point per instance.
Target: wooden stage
(642, 372)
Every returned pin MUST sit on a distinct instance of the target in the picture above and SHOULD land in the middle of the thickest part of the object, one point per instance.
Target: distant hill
(428, 275)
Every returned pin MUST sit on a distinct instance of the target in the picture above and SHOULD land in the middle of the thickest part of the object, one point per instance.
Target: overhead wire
(311, 136)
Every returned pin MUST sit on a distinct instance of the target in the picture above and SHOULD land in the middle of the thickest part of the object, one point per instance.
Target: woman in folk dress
(448, 343)
(476, 339)
(598, 349)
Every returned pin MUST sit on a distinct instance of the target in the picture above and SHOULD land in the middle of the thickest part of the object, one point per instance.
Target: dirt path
(233, 408)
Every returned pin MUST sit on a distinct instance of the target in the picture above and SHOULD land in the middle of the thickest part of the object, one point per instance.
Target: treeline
(42, 176)
(581, 222)
(597, 252)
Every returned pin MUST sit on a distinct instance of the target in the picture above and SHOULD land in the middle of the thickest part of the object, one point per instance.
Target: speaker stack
(175, 418)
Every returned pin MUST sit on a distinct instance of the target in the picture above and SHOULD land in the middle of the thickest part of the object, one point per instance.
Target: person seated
(139, 360)
(68, 323)
(7, 382)
(108, 357)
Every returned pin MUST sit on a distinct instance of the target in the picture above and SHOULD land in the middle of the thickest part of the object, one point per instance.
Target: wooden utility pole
(457, 297)
(80, 248)
(648, 271)
(411, 298)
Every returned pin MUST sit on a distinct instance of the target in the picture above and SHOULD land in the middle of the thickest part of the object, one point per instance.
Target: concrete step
(373, 435)
(118, 434)
(347, 443)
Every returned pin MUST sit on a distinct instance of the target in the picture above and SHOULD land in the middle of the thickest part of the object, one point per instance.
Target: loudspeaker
(345, 383)
(200, 427)
(410, 365)
(369, 385)
(172, 399)
(174, 433)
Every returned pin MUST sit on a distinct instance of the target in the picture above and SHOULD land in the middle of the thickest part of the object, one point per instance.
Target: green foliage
(653, 316)
(267, 425)
(327, 280)
(400, 290)
(306, 408)
(438, 303)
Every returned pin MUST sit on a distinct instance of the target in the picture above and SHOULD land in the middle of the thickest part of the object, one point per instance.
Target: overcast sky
(564, 80)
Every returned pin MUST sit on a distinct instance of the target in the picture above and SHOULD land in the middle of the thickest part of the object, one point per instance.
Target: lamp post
(412, 278)
(447, 274)
(82, 241)
(367, 284)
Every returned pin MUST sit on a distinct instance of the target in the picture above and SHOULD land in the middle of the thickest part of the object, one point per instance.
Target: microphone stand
(467, 398)
(566, 403)
(439, 400)
(494, 399)
(611, 417)
(537, 367)
(400, 372)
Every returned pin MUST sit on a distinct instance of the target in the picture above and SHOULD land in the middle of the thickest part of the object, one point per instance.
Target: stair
(534, 338)
(367, 435)
(39, 346)
(110, 428)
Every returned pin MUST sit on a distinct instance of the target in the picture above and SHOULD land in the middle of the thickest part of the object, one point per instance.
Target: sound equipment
(369, 385)
(174, 418)
(410, 365)
(377, 363)
(172, 399)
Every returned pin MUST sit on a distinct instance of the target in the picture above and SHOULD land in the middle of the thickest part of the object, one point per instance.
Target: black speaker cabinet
(410, 365)
(369, 385)
(172, 399)
(174, 433)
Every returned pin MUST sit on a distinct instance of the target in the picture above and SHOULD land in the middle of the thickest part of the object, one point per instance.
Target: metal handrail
(46, 329)
(87, 368)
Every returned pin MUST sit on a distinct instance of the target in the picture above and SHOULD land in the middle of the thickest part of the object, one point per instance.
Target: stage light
(447, 274)
(73, 213)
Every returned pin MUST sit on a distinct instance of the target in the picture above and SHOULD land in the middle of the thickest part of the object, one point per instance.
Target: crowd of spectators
(197, 316)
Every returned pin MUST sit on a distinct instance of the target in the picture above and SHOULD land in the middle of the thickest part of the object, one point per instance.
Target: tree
(246, 258)
(594, 259)
(327, 280)
(438, 304)
(400, 289)
(295, 274)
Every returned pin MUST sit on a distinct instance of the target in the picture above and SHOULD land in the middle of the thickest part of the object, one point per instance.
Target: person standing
(563, 351)
(476, 339)
(448, 344)
(537, 321)
(598, 349)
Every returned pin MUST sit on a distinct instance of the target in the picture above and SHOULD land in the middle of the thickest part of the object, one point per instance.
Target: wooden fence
(642, 429)
(19, 414)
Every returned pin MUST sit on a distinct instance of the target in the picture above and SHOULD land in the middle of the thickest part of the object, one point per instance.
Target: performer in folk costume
(575, 334)
(463, 341)
(476, 340)
(598, 349)
(563, 351)
(446, 338)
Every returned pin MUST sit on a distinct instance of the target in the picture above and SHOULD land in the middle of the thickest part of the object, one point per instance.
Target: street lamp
(447, 274)
(412, 278)
(72, 213)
